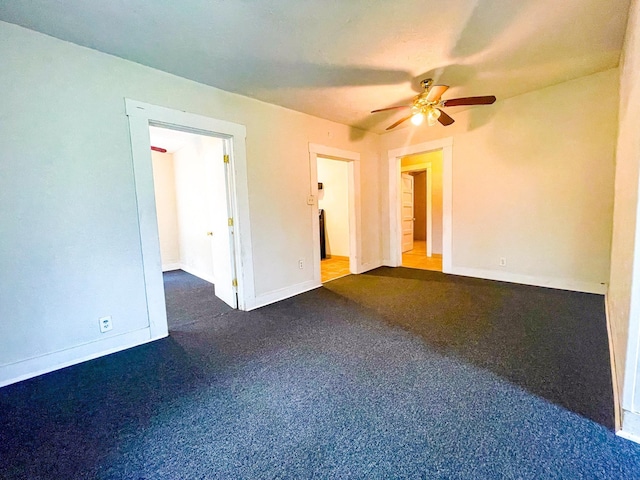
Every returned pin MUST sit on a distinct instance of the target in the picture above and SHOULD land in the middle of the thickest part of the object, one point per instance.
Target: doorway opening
(406, 165)
(192, 209)
(215, 222)
(335, 201)
(333, 215)
(421, 207)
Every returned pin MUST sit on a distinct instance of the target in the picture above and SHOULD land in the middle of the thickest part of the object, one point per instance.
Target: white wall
(184, 204)
(623, 300)
(165, 194)
(70, 242)
(533, 182)
(334, 199)
(194, 179)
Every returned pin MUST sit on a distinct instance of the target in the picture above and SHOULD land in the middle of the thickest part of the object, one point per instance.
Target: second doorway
(333, 212)
(421, 209)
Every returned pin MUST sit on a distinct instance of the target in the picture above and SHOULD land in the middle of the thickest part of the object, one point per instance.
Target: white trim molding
(32, 367)
(169, 267)
(365, 267)
(617, 415)
(192, 271)
(395, 230)
(631, 381)
(141, 115)
(547, 282)
(282, 294)
(630, 426)
(355, 240)
(197, 273)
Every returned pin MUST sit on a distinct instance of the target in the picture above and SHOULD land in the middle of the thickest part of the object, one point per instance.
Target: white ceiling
(340, 59)
(170, 140)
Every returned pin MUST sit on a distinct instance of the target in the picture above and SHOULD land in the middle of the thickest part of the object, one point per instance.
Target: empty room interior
(320, 239)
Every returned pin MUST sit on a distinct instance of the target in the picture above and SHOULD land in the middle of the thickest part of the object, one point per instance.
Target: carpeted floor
(190, 299)
(391, 374)
(552, 343)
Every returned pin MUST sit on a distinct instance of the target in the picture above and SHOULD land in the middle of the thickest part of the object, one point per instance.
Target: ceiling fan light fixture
(433, 116)
(429, 103)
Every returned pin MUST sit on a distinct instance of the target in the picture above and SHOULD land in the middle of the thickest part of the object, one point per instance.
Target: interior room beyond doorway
(191, 207)
(422, 210)
(333, 209)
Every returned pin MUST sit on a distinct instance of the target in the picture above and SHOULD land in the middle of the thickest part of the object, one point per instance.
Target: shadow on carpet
(550, 342)
(322, 385)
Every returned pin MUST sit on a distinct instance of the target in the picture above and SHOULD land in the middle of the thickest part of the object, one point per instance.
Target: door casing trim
(140, 116)
(355, 241)
(395, 227)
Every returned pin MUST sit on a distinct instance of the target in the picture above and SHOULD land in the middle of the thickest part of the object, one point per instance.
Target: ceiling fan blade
(390, 108)
(445, 119)
(399, 122)
(436, 92)
(454, 102)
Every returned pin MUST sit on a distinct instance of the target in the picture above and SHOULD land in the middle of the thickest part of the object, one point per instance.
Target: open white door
(222, 241)
(407, 212)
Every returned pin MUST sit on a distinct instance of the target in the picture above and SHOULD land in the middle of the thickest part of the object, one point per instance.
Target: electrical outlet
(503, 262)
(105, 324)
(300, 264)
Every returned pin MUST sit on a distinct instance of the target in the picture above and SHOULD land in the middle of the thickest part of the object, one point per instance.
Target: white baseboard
(548, 282)
(194, 272)
(32, 367)
(617, 406)
(628, 436)
(386, 262)
(282, 294)
(168, 267)
(630, 426)
(365, 267)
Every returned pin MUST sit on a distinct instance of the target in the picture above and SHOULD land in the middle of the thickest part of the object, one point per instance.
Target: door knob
(210, 234)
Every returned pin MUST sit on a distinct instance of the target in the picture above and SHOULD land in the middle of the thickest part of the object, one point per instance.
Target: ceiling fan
(428, 104)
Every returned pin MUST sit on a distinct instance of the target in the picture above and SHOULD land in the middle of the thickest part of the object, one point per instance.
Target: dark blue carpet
(190, 299)
(323, 385)
(552, 343)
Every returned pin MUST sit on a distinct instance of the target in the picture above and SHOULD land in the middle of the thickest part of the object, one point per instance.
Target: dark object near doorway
(323, 248)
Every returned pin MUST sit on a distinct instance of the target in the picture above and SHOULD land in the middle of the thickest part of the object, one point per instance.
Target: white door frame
(425, 167)
(355, 242)
(140, 116)
(395, 228)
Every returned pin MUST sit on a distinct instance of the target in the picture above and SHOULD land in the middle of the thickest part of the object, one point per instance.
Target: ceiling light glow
(417, 118)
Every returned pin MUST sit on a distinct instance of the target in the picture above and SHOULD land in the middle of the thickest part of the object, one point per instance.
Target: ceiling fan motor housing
(426, 83)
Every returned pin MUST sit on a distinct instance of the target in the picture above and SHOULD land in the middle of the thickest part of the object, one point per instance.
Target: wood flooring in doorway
(334, 267)
(417, 258)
